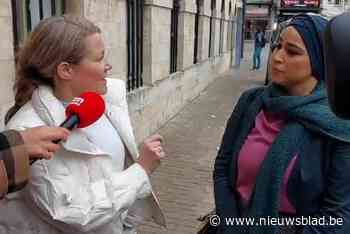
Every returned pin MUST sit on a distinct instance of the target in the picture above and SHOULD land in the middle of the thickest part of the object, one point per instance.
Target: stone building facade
(163, 92)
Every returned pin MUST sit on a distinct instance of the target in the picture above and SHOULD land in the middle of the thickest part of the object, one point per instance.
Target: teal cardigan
(319, 184)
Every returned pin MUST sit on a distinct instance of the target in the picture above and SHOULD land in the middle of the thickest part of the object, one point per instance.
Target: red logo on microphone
(77, 101)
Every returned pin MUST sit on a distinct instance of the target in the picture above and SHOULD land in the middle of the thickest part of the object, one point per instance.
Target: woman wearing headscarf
(284, 154)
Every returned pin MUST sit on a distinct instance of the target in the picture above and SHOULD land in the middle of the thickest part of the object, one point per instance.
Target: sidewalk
(191, 140)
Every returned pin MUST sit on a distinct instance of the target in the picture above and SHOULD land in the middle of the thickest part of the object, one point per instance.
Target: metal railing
(174, 36)
(221, 40)
(211, 26)
(196, 29)
(27, 14)
(135, 10)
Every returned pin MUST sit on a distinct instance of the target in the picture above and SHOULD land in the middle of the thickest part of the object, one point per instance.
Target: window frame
(21, 15)
(211, 29)
(174, 28)
(135, 16)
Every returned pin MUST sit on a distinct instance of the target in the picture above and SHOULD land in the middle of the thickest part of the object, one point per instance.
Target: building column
(7, 59)
(186, 34)
(203, 31)
(216, 29)
(156, 56)
(110, 17)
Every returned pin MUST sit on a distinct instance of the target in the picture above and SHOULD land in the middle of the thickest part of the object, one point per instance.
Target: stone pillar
(186, 34)
(156, 56)
(203, 31)
(226, 27)
(7, 63)
(216, 30)
(231, 33)
(111, 17)
(229, 27)
(75, 7)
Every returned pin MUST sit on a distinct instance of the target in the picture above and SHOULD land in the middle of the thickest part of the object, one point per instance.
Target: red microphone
(82, 111)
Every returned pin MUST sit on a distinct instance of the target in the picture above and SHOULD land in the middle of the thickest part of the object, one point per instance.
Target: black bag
(205, 227)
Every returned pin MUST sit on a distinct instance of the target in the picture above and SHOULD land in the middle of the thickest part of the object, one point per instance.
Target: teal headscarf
(311, 29)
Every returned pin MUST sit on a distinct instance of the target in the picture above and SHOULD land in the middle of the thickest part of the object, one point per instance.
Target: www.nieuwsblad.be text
(215, 220)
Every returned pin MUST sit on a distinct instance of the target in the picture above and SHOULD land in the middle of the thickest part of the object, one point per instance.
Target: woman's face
(90, 73)
(290, 63)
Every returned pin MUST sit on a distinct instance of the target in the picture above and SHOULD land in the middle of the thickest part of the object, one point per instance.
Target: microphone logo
(77, 101)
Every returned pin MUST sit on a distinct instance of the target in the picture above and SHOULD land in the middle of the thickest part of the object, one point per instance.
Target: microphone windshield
(89, 107)
(337, 54)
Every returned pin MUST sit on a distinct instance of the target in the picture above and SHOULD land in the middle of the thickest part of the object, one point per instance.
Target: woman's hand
(151, 153)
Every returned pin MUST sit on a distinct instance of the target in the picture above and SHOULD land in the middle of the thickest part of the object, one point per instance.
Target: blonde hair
(54, 40)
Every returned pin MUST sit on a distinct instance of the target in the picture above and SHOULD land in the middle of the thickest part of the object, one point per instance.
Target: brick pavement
(184, 179)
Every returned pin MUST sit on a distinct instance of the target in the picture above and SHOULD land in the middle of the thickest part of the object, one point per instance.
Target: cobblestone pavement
(184, 179)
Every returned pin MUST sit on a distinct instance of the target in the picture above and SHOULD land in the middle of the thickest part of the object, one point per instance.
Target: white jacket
(78, 191)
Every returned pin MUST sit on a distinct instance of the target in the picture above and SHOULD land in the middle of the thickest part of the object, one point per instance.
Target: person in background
(98, 182)
(259, 44)
(17, 148)
(284, 153)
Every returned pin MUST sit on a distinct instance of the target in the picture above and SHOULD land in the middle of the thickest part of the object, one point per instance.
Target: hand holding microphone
(38, 141)
(81, 112)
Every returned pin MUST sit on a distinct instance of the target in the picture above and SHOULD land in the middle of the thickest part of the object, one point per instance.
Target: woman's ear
(64, 71)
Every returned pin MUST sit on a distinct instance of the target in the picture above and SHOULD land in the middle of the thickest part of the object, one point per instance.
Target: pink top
(252, 154)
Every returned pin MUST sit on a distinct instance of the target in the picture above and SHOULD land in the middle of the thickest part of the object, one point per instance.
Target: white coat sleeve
(84, 207)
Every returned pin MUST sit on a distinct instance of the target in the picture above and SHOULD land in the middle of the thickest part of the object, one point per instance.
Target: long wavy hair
(54, 40)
